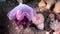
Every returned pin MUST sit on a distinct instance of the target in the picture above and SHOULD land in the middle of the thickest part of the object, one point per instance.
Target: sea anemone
(50, 3)
(38, 20)
(42, 5)
(22, 14)
(57, 7)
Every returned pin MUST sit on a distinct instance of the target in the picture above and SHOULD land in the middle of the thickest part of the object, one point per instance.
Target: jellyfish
(22, 14)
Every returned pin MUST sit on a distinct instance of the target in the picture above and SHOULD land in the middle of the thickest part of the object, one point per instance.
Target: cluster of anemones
(24, 14)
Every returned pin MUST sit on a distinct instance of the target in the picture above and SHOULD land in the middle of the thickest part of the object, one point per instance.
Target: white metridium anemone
(55, 25)
(57, 7)
(42, 5)
(38, 20)
(50, 3)
(57, 31)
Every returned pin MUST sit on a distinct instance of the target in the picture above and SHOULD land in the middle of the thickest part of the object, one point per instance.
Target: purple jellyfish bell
(22, 14)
